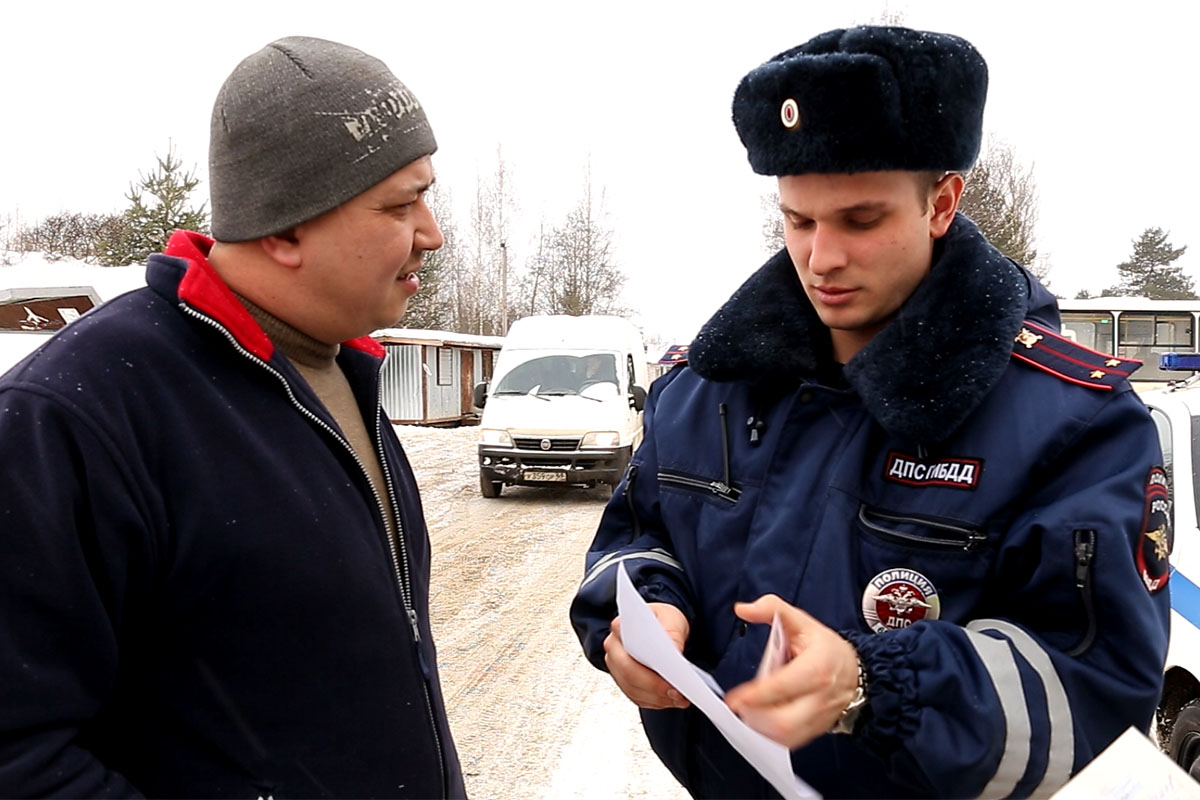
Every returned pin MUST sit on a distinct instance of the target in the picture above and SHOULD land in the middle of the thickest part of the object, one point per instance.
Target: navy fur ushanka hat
(864, 99)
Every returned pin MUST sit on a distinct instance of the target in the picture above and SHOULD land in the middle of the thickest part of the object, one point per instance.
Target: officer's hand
(640, 684)
(805, 697)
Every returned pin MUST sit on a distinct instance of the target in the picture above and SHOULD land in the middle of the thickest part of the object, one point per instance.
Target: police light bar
(1179, 361)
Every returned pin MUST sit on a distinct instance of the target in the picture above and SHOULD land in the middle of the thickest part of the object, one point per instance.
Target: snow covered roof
(437, 338)
(34, 271)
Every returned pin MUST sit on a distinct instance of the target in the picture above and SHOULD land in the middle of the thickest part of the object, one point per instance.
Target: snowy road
(531, 718)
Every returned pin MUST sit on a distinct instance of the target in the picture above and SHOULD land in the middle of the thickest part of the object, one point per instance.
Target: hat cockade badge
(789, 113)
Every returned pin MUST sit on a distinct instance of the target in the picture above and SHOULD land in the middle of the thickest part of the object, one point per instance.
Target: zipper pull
(1085, 549)
(416, 628)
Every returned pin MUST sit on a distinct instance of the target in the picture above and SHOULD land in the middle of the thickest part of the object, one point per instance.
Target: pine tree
(1151, 271)
(158, 206)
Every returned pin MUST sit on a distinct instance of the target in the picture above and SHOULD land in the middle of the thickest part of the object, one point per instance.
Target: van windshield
(560, 374)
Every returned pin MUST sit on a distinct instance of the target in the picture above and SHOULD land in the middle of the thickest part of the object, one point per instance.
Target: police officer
(957, 514)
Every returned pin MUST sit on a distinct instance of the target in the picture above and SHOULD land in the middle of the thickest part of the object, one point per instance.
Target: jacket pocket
(707, 487)
(920, 532)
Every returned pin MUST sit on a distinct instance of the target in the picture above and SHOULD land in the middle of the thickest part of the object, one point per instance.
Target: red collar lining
(203, 289)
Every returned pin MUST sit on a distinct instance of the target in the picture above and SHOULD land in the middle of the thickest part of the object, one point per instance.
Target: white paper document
(1131, 768)
(645, 640)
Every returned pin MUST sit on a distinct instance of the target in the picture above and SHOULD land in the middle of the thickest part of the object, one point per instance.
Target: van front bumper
(514, 466)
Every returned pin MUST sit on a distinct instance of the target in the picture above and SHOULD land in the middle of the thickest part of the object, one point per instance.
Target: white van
(564, 405)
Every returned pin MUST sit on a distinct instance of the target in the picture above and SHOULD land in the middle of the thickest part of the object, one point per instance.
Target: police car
(1176, 412)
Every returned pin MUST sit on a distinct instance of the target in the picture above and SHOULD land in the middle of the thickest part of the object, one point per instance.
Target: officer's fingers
(673, 622)
(643, 686)
(761, 610)
(826, 671)
(795, 621)
(785, 685)
(792, 724)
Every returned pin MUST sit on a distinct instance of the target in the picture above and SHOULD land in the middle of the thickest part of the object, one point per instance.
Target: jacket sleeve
(1069, 647)
(631, 532)
(66, 515)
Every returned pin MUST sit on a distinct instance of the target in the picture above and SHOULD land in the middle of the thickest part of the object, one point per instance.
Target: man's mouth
(833, 295)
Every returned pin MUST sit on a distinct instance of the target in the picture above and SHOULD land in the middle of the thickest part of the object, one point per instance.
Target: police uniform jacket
(200, 597)
(974, 502)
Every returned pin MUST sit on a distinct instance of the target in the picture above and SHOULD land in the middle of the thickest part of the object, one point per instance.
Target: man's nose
(827, 251)
(428, 235)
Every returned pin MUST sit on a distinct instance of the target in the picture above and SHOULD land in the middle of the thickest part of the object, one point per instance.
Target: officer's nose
(826, 250)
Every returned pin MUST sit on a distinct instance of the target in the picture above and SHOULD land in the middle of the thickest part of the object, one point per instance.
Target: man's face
(359, 261)
(861, 244)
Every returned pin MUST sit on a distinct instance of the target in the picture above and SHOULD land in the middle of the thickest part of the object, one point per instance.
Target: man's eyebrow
(413, 190)
(876, 205)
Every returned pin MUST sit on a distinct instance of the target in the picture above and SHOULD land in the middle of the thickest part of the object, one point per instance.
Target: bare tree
(68, 235)
(1001, 196)
(433, 306)
(481, 292)
(772, 225)
(581, 276)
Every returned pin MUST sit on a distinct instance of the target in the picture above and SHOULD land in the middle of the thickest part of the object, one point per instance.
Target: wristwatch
(850, 713)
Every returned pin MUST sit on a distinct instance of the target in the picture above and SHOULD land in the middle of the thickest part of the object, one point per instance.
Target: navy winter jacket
(974, 502)
(199, 596)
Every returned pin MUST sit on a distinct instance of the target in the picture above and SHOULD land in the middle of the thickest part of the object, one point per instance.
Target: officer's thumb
(764, 609)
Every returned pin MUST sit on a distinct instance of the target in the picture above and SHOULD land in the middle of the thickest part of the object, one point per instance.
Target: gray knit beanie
(299, 128)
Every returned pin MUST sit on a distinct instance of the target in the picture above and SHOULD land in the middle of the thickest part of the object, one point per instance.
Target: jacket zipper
(716, 488)
(630, 477)
(399, 554)
(967, 540)
(1085, 553)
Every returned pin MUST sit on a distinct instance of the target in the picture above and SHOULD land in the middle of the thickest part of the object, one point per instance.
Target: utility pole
(503, 288)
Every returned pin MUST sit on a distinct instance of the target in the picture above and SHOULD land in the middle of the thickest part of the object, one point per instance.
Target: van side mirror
(479, 395)
(637, 397)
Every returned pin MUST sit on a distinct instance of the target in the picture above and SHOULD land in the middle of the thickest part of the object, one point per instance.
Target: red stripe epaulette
(1051, 352)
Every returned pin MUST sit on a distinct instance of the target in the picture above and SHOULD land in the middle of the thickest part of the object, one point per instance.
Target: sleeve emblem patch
(1157, 539)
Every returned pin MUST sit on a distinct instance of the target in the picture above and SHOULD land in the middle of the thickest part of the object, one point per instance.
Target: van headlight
(494, 436)
(600, 439)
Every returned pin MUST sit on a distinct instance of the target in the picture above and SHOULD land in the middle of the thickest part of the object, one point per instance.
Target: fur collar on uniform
(921, 376)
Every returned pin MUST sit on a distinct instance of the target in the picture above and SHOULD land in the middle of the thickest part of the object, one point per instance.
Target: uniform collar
(921, 376)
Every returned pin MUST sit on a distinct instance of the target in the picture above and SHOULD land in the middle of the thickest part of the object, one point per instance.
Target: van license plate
(537, 475)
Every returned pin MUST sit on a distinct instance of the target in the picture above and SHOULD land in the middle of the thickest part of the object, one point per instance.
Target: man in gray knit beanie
(302, 126)
(228, 534)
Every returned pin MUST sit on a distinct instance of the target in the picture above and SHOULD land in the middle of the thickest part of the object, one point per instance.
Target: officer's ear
(943, 202)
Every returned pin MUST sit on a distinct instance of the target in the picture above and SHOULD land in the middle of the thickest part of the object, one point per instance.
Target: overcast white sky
(1100, 98)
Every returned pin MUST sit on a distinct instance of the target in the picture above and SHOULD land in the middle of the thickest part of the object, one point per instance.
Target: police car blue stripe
(1185, 597)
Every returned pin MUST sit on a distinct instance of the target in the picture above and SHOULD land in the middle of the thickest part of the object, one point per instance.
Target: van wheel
(1185, 739)
(488, 487)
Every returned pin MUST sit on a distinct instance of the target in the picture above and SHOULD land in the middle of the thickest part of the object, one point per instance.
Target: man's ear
(282, 248)
(944, 201)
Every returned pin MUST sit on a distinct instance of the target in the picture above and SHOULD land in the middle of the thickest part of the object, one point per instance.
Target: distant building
(428, 376)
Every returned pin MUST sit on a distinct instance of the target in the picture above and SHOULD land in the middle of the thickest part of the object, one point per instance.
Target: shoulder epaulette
(676, 354)
(1051, 352)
